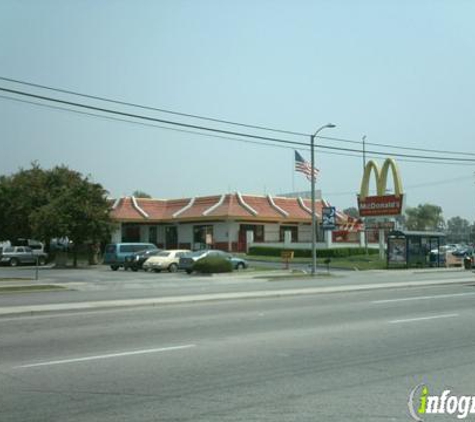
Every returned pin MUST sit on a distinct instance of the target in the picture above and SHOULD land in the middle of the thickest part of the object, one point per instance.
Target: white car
(165, 260)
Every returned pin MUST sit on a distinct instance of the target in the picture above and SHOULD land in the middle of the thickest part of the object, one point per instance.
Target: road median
(188, 299)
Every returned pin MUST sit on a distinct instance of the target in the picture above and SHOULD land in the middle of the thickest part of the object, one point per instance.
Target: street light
(314, 220)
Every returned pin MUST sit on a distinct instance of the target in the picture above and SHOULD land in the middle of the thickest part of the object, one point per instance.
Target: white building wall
(220, 232)
(271, 232)
(233, 229)
(185, 233)
(116, 236)
(305, 233)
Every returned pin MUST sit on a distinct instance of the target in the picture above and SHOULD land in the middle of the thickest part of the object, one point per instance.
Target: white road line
(400, 321)
(108, 356)
(407, 299)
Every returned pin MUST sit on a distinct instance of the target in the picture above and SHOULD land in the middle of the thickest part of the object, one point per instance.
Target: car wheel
(156, 270)
(172, 268)
(240, 266)
(189, 271)
(41, 260)
(114, 267)
(13, 262)
(134, 268)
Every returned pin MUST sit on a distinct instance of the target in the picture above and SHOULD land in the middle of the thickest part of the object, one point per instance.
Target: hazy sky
(399, 72)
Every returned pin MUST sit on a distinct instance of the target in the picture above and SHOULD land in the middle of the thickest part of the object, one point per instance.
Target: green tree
(352, 212)
(458, 230)
(425, 217)
(20, 194)
(141, 194)
(46, 204)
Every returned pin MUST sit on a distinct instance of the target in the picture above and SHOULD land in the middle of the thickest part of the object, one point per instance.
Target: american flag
(304, 167)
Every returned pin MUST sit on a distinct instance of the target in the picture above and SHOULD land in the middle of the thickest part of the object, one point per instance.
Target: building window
(202, 236)
(292, 229)
(152, 235)
(130, 233)
(171, 237)
(258, 231)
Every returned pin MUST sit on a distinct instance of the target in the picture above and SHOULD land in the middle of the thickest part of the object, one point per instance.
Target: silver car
(15, 255)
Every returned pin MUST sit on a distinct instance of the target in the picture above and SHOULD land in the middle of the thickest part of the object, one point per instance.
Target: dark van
(115, 253)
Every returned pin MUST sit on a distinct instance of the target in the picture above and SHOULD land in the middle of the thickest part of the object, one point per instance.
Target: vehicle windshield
(110, 248)
(196, 254)
(164, 254)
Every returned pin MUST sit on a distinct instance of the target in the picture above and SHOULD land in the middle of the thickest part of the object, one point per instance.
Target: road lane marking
(407, 299)
(107, 356)
(400, 321)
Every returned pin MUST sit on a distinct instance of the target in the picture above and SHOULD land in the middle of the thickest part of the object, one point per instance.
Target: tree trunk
(94, 254)
(75, 256)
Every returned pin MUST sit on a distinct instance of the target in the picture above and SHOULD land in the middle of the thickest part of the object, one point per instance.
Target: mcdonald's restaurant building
(231, 222)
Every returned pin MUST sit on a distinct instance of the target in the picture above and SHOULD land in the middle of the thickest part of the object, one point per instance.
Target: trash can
(467, 263)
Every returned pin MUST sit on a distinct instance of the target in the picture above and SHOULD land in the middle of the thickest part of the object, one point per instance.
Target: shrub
(211, 265)
(307, 253)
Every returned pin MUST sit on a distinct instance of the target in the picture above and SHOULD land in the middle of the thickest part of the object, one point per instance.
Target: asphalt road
(339, 357)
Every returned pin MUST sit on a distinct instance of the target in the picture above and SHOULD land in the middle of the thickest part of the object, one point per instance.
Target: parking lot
(102, 277)
(97, 283)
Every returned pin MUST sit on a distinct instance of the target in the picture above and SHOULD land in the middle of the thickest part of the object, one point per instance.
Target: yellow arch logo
(381, 178)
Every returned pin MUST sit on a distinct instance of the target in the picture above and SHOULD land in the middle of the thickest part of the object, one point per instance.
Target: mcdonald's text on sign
(374, 206)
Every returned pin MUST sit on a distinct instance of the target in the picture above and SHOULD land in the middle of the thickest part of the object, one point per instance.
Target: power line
(435, 151)
(416, 186)
(148, 118)
(229, 122)
(118, 119)
(221, 131)
(144, 107)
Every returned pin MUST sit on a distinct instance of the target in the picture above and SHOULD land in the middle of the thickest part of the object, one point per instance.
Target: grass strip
(4, 279)
(359, 262)
(28, 289)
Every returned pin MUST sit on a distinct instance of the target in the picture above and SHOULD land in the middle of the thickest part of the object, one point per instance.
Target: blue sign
(329, 218)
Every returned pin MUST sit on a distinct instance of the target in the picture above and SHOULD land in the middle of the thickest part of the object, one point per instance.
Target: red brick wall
(223, 246)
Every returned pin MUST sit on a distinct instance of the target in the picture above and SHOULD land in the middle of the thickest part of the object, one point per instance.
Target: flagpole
(314, 218)
(293, 174)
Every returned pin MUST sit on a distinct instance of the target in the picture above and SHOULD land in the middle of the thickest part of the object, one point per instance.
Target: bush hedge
(211, 265)
(307, 253)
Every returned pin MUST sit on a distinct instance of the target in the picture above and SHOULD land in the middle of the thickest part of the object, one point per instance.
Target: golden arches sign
(381, 204)
(381, 178)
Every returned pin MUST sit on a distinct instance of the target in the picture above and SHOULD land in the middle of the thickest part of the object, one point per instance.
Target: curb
(176, 300)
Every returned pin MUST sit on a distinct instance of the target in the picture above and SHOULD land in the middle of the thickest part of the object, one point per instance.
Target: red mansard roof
(229, 206)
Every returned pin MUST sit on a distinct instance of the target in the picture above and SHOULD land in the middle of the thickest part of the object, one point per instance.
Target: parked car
(16, 255)
(136, 260)
(186, 263)
(115, 253)
(36, 246)
(165, 260)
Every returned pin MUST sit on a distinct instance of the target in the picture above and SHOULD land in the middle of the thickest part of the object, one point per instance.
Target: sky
(398, 72)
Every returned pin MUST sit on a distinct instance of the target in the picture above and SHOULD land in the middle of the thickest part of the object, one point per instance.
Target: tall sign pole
(314, 219)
